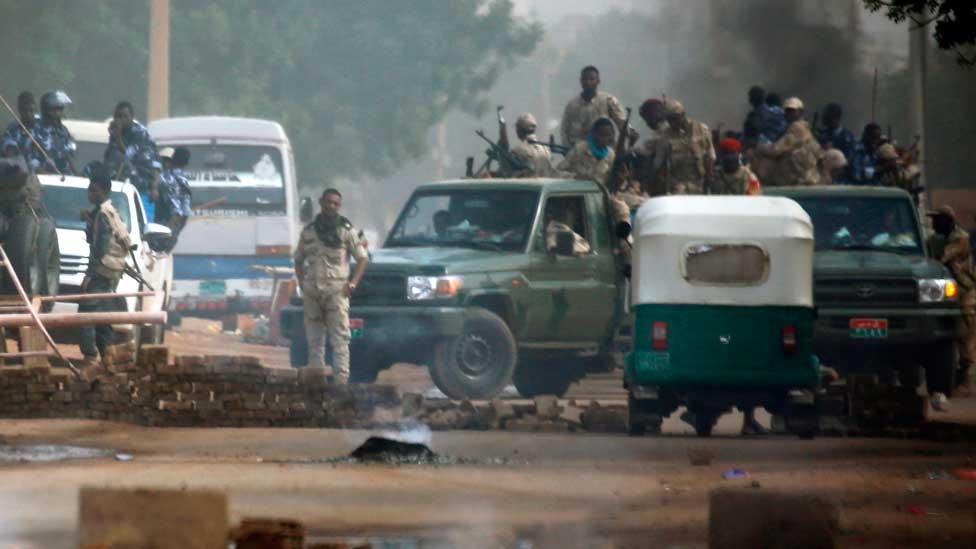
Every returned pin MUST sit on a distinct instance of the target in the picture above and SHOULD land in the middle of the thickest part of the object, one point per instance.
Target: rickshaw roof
(753, 217)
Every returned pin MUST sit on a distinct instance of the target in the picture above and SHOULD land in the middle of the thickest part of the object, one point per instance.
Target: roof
(531, 184)
(50, 180)
(850, 191)
(170, 130)
(724, 216)
(90, 131)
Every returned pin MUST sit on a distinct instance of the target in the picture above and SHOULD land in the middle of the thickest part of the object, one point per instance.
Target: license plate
(869, 328)
(357, 327)
(213, 287)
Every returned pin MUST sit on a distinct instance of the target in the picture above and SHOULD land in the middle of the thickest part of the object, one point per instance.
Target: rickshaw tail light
(659, 336)
(789, 339)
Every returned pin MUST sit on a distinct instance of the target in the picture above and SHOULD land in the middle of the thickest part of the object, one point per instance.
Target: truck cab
(885, 304)
(490, 282)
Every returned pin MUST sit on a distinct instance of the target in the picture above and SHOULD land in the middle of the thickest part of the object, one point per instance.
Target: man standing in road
(796, 156)
(957, 256)
(108, 240)
(322, 268)
(131, 154)
(590, 105)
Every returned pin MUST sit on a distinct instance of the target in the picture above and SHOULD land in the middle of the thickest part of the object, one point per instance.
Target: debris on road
(734, 473)
(745, 517)
(393, 452)
(700, 456)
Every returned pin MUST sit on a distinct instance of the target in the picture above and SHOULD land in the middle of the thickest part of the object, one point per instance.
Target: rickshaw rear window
(726, 264)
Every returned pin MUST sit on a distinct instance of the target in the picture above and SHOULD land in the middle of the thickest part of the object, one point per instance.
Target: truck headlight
(432, 287)
(937, 290)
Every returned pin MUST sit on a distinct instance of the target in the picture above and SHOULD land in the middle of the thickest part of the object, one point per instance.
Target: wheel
(20, 248)
(803, 423)
(704, 421)
(364, 365)
(48, 261)
(534, 377)
(643, 416)
(298, 348)
(940, 368)
(479, 362)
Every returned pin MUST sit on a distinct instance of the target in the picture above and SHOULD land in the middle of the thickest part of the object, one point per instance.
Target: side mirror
(564, 243)
(623, 230)
(306, 210)
(158, 237)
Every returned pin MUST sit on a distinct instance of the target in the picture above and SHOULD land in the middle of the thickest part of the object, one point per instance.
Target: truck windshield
(65, 205)
(496, 220)
(863, 223)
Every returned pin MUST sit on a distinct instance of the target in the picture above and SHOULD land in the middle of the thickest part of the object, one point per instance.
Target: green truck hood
(443, 260)
(867, 264)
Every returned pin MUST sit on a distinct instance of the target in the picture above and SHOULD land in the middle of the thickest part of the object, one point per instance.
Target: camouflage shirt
(324, 249)
(536, 158)
(958, 257)
(59, 145)
(581, 163)
(796, 157)
(132, 155)
(580, 114)
(738, 182)
(686, 158)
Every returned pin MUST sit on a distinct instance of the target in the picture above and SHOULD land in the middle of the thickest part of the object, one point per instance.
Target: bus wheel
(479, 362)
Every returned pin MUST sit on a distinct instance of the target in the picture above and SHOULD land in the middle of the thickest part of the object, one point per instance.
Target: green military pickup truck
(885, 305)
(491, 282)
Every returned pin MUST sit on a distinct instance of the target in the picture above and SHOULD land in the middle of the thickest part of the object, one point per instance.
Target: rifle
(502, 129)
(620, 170)
(815, 125)
(506, 162)
(133, 271)
(552, 146)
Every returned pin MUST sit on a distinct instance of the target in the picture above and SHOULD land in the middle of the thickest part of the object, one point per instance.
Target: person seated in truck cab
(561, 217)
(892, 233)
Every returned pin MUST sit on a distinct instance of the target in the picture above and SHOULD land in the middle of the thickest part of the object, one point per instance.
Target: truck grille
(71, 264)
(861, 293)
(378, 289)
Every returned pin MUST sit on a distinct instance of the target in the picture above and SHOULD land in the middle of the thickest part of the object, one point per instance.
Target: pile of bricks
(196, 390)
(542, 414)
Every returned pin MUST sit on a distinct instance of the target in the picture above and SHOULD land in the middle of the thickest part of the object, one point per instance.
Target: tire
(643, 416)
(544, 377)
(940, 368)
(48, 259)
(479, 362)
(705, 421)
(803, 423)
(20, 247)
(298, 348)
(364, 365)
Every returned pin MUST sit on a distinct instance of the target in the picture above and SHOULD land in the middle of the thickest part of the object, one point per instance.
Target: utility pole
(918, 38)
(158, 96)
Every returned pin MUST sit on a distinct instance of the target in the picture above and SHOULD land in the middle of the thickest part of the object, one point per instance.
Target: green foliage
(356, 83)
(955, 21)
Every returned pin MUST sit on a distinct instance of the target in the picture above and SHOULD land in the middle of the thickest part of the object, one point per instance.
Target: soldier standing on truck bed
(644, 156)
(592, 158)
(732, 177)
(17, 142)
(957, 256)
(584, 109)
(796, 156)
(109, 244)
(131, 154)
(688, 154)
(535, 157)
(322, 268)
(54, 137)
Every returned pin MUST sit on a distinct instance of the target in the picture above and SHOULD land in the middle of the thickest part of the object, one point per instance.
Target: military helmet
(54, 99)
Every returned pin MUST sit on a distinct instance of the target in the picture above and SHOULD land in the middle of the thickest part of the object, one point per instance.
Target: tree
(355, 83)
(955, 21)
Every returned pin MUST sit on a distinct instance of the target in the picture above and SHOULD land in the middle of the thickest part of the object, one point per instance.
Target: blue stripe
(223, 267)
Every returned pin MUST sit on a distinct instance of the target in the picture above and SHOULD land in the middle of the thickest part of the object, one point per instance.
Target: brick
(313, 376)
(188, 519)
(153, 356)
(174, 405)
(747, 517)
(547, 406)
(182, 361)
(281, 375)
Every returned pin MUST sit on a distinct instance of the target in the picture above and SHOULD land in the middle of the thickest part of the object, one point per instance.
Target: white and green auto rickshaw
(723, 306)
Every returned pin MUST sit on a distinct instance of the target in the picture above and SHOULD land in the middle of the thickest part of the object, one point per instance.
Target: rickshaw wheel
(543, 377)
(705, 421)
(642, 417)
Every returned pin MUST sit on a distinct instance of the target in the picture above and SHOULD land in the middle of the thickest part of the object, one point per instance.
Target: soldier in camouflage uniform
(893, 173)
(957, 256)
(687, 155)
(644, 156)
(732, 177)
(584, 109)
(535, 157)
(796, 156)
(53, 136)
(322, 268)
(592, 158)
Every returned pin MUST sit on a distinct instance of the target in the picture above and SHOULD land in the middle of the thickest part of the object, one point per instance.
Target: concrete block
(746, 517)
(153, 518)
(547, 406)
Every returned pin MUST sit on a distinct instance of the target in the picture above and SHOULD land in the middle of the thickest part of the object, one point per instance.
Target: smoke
(410, 431)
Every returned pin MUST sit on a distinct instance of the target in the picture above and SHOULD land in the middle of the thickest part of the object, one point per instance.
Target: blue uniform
(15, 136)
(57, 143)
(174, 190)
(772, 123)
(843, 140)
(863, 166)
(131, 154)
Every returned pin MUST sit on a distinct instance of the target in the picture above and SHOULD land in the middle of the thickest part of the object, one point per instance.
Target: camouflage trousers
(967, 347)
(327, 321)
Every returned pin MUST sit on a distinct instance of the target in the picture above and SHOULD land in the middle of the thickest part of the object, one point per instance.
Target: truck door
(570, 300)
